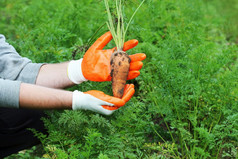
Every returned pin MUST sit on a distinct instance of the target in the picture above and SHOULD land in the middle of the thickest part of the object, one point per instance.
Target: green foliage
(185, 105)
(34, 153)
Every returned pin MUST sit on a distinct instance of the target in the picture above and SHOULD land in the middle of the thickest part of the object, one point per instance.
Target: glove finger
(129, 95)
(133, 74)
(136, 65)
(102, 102)
(127, 88)
(130, 44)
(103, 111)
(102, 96)
(102, 41)
(116, 101)
(137, 57)
(130, 92)
(110, 108)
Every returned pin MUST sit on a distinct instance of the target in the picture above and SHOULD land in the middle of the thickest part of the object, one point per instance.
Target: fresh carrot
(120, 60)
(120, 64)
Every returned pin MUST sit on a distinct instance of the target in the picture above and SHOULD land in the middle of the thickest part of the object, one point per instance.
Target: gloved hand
(95, 65)
(100, 102)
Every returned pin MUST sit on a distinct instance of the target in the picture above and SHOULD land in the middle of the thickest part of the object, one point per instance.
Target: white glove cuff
(77, 98)
(74, 71)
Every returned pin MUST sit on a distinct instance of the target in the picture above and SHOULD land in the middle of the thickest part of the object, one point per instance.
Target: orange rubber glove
(96, 61)
(117, 102)
(99, 102)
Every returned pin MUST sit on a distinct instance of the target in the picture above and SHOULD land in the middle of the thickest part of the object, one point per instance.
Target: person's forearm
(54, 76)
(38, 97)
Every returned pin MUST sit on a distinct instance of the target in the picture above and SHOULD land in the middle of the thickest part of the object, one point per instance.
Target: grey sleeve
(14, 69)
(9, 93)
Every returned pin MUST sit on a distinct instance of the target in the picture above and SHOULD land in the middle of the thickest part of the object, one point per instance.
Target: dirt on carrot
(120, 64)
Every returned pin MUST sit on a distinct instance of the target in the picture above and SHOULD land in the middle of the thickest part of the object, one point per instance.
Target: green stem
(158, 134)
(94, 35)
(110, 23)
(132, 17)
(155, 101)
(219, 149)
(118, 32)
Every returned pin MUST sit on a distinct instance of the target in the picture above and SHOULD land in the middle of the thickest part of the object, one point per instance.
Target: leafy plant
(185, 104)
